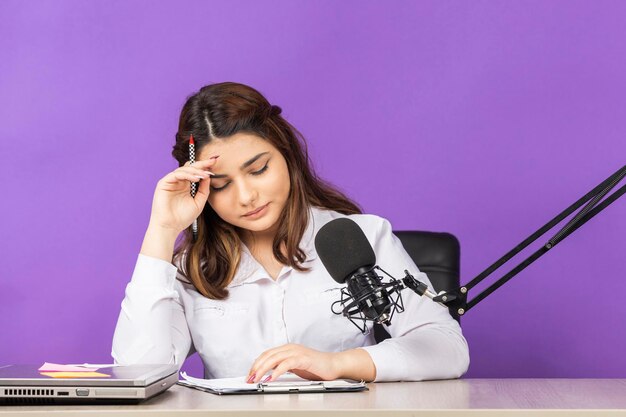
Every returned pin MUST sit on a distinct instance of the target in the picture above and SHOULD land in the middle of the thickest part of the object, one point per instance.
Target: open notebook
(285, 384)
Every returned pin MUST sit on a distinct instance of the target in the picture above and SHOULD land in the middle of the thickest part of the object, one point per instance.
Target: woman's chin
(260, 225)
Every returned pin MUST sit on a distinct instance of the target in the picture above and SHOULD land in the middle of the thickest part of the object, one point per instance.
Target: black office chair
(438, 255)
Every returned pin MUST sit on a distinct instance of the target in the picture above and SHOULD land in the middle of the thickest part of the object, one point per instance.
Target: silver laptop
(24, 384)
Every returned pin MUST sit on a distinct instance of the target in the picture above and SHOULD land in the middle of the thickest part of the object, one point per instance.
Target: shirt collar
(250, 270)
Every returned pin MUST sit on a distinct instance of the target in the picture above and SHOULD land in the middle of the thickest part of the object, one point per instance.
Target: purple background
(484, 119)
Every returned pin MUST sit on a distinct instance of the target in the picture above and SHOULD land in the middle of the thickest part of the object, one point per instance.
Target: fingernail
(209, 172)
(251, 379)
(267, 379)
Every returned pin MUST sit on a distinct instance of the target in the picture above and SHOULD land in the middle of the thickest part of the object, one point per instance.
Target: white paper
(239, 383)
(56, 367)
(97, 365)
(221, 384)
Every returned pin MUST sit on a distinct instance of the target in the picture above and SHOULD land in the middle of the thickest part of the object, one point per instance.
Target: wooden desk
(463, 397)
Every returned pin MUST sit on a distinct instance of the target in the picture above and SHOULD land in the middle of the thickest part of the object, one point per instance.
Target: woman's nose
(247, 194)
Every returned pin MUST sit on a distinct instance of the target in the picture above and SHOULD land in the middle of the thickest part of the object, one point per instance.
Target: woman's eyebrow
(244, 165)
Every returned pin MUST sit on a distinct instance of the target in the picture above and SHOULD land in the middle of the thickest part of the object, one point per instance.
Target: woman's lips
(255, 212)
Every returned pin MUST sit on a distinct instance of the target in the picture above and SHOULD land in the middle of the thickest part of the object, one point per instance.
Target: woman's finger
(269, 365)
(202, 163)
(282, 367)
(266, 354)
(176, 177)
(262, 357)
(203, 191)
(193, 170)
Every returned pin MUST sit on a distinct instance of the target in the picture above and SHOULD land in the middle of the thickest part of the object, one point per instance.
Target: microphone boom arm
(456, 299)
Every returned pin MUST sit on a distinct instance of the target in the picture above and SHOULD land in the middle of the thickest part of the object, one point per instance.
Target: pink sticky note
(74, 374)
(55, 367)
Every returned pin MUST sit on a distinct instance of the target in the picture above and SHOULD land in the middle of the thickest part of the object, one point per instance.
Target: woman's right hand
(173, 207)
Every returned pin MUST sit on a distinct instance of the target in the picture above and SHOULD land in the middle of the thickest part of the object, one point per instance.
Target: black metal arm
(456, 299)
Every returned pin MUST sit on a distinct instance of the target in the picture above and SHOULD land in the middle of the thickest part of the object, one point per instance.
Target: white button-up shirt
(164, 319)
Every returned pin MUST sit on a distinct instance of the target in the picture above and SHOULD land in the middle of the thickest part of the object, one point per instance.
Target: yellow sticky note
(74, 374)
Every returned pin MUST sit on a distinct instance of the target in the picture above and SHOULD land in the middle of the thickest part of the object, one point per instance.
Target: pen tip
(191, 142)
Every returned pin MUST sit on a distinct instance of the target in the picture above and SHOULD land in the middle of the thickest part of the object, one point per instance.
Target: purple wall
(484, 119)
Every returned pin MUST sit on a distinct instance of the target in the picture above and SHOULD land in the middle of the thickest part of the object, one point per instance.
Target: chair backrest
(438, 255)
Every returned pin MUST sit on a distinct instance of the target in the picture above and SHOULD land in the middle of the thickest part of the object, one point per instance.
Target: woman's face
(251, 183)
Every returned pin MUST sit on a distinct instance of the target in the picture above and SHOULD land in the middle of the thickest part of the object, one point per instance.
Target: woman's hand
(173, 208)
(306, 363)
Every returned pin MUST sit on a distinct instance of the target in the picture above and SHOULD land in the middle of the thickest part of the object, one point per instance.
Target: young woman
(249, 293)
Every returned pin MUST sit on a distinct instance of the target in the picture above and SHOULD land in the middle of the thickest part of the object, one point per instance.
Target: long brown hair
(222, 110)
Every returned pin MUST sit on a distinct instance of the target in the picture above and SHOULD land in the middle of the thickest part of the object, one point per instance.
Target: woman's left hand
(306, 363)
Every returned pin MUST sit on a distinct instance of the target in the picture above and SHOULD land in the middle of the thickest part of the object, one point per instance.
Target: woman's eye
(219, 188)
(260, 171)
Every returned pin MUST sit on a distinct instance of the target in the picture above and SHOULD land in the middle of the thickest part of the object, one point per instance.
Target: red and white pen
(194, 185)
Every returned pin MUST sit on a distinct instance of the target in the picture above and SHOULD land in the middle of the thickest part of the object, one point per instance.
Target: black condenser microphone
(349, 258)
